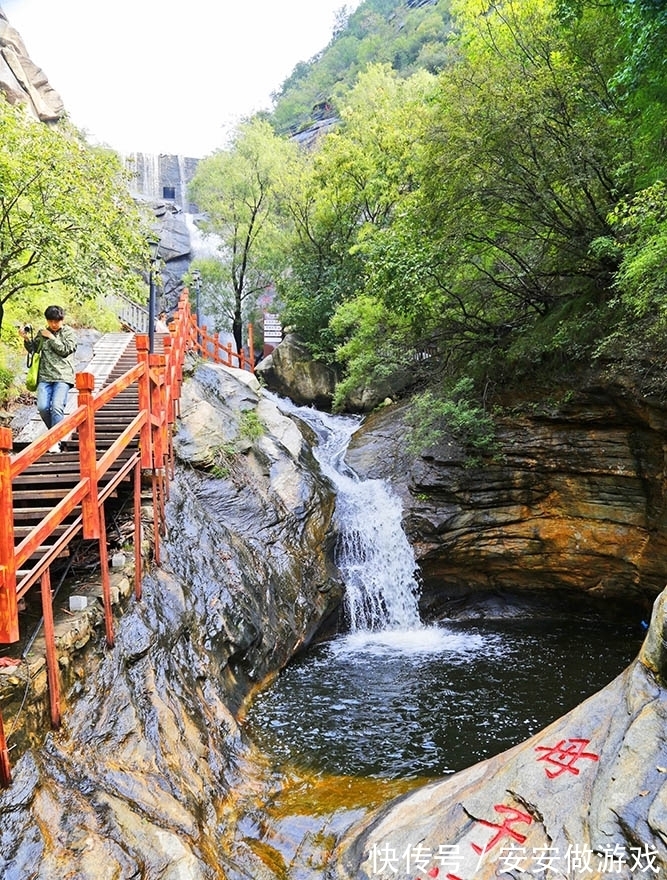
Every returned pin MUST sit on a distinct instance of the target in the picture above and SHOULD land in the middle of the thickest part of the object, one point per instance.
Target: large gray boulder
(250, 524)
(291, 372)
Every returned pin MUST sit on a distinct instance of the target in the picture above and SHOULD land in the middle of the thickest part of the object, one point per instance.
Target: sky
(159, 76)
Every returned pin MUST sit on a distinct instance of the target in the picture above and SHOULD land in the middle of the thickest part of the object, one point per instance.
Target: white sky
(160, 76)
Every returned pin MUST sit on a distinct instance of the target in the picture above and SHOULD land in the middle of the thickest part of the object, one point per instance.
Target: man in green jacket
(58, 344)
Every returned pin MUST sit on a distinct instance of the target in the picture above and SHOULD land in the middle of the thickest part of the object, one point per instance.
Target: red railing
(158, 378)
(208, 345)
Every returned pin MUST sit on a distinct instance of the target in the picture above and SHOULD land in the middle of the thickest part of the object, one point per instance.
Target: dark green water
(432, 701)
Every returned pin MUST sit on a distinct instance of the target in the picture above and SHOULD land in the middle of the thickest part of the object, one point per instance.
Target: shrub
(456, 414)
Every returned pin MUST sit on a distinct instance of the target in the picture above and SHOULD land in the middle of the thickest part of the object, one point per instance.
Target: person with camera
(58, 344)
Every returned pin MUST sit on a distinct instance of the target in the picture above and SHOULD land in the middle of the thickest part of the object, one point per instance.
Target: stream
(393, 702)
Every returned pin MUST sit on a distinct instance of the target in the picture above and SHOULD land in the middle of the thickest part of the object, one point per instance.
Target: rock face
(21, 81)
(585, 796)
(291, 372)
(137, 782)
(573, 500)
(256, 516)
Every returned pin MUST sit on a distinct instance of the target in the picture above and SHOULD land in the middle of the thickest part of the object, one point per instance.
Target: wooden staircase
(43, 484)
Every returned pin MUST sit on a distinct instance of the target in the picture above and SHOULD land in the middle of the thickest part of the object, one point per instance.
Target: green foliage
(216, 298)
(455, 414)
(372, 344)
(241, 191)
(377, 32)
(641, 225)
(6, 385)
(220, 460)
(67, 221)
(351, 189)
(507, 214)
(93, 313)
(250, 427)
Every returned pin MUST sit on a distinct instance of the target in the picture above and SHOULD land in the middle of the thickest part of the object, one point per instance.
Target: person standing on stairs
(58, 344)
(161, 325)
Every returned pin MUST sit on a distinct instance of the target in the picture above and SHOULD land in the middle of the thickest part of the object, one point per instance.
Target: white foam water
(419, 642)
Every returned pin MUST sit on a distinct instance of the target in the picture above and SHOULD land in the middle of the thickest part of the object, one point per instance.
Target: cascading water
(397, 698)
(372, 551)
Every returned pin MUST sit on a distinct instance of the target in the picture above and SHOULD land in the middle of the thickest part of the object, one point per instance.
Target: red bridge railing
(208, 345)
(158, 378)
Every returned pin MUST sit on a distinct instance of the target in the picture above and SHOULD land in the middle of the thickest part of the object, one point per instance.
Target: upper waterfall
(162, 177)
(372, 552)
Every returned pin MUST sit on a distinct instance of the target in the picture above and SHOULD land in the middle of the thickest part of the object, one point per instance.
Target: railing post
(251, 348)
(106, 580)
(167, 345)
(144, 401)
(157, 409)
(158, 441)
(51, 656)
(138, 559)
(85, 384)
(9, 617)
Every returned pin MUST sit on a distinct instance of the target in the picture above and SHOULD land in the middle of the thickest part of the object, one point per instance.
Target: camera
(27, 328)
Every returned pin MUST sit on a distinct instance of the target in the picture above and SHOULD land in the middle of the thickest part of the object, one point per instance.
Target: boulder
(291, 372)
(250, 497)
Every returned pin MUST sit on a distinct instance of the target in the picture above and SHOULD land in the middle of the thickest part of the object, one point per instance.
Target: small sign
(273, 332)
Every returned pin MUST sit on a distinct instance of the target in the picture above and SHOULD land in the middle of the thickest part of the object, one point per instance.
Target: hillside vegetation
(408, 36)
(491, 208)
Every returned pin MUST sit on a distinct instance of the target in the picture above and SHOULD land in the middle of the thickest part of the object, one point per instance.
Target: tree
(240, 190)
(66, 215)
(521, 162)
(349, 191)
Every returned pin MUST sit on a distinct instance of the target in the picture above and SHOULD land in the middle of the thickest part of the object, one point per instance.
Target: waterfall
(204, 244)
(372, 551)
(182, 186)
(145, 171)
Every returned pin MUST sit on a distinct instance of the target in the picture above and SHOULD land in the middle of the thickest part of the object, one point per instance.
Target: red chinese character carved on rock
(504, 830)
(565, 755)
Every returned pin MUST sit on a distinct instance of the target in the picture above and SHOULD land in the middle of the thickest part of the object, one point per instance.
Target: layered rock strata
(573, 500)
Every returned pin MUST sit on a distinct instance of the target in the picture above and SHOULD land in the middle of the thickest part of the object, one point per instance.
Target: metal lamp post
(154, 244)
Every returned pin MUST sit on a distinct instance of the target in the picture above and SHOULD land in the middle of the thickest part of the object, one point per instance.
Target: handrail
(209, 346)
(151, 373)
(128, 312)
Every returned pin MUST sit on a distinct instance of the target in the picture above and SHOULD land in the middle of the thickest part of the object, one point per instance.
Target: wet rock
(259, 515)
(654, 650)
(574, 500)
(137, 781)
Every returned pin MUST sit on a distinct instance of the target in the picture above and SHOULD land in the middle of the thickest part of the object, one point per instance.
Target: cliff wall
(573, 499)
